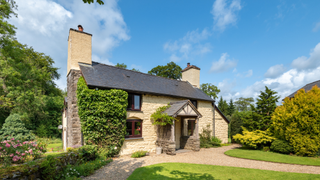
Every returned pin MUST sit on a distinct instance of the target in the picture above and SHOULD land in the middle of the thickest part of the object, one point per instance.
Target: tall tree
(122, 65)
(243, 104)
(27, 80)
(231, 108)
(171, 70)
(223, 106)
(92, 1)
(265, 106)
(210, 89)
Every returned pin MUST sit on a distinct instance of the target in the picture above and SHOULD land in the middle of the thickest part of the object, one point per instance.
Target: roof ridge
(310, 83)
(142, 73)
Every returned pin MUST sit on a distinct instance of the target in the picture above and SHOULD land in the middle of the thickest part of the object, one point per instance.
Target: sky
(241, 46)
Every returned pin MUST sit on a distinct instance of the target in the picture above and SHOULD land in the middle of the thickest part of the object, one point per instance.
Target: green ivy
(160, 118)
(103, 115)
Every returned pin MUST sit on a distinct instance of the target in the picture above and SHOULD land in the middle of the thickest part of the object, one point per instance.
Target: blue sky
(240, 45)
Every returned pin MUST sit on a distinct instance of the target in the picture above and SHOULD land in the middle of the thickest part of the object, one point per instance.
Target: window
(195, 103)
(134, 102)
(191, 125)
(134, 128)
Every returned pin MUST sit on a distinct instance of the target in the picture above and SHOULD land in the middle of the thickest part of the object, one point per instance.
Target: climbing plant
(160, 118)
(102, 115)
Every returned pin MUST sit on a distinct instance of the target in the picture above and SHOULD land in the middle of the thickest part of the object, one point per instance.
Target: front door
(177, 130)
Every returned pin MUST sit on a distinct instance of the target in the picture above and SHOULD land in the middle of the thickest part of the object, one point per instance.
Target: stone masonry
(73, 120)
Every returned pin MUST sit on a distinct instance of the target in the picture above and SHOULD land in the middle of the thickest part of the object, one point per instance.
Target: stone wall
(189, 142)
(221, 127)
(206, 110)
(73, 120)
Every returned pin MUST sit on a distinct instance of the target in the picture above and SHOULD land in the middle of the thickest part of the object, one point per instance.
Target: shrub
(255, 139)
(88, 152)
(15, 128)
(160, 118)
(103, 115)
(138, 154)
(206, 140)
(266, 148)
(297, 121)
(236, 123)
(14, 151)
(281, 146)
(42, 131)
(108, 151)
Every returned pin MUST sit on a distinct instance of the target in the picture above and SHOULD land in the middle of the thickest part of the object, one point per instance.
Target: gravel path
(122, 168)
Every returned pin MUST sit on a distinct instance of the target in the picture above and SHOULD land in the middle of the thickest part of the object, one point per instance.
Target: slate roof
(110, 77)
(189, 67)
(176, 106)
(307, 87)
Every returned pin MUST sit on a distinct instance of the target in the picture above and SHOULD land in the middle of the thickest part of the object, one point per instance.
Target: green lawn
(210, 172)
(54, 147)
(272, 157)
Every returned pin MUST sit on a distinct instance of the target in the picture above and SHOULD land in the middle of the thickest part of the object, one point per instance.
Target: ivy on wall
(102, 115)
(160, 118)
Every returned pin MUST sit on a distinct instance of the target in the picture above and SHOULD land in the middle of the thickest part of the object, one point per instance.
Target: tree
(14, 128)
(210, 89)
(243, 104)
(223, 106)
(171, 70)
(265, 106)
(134, 69)
(122, 65)
(231, 108)
(297, 121)
(27, 82)
(92, 1)
(7, 30)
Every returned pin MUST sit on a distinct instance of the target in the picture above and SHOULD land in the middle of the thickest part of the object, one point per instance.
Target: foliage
(14, 151)
(243, 104)
(298, 122)
(139, 154)
(134, 69)
(160, 118)
(255, 139)
(103, 115)
(206, 139)
(15, 128)
(265, 106)
(231, 108)
(266, 148)
(88, 152)
(122, 65)
(237, 120)
(92, 1)
(210, 89)
(171, 70)
(223, 106)
(27, 79)
(281, 146)
(42, 131)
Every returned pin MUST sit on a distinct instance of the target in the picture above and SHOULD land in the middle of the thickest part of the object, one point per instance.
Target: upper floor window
(134, 102)
(195, 103)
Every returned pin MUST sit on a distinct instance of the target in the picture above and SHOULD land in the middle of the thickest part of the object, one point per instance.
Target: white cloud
(224, 14)
(249, 73)
(275, 71)
(189, 45)
(104, 61)
(304, 63)
(316, 27)
(227, 89)
(44, 25)
(223, 64)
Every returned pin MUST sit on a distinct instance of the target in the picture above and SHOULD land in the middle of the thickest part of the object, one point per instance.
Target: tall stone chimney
(191, 74)
(79, 51)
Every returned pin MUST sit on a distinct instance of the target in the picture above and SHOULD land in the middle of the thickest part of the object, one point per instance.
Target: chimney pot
(188, 64)
(80, 28)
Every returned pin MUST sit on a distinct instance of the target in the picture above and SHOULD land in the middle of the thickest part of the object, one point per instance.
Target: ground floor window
(134, 128)
(191, 125)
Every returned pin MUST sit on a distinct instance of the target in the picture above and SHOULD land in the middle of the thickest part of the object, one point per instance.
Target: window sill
(136, 138)
(138, 111)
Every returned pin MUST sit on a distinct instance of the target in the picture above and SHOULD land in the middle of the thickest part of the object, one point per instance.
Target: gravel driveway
(121, 168)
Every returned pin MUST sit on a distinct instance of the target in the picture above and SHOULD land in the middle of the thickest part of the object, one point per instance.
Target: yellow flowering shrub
(297, 121)
(255, 139)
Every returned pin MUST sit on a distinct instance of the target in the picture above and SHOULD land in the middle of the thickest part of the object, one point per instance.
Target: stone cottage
(192, 108)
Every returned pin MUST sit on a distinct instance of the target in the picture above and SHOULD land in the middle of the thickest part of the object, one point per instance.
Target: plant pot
(158, 150)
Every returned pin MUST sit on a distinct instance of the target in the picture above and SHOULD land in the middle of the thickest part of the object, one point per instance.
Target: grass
(272, 157)
(54, 147)
(210, 172)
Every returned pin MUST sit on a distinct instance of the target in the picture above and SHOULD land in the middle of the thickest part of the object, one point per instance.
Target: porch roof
(182, 108)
